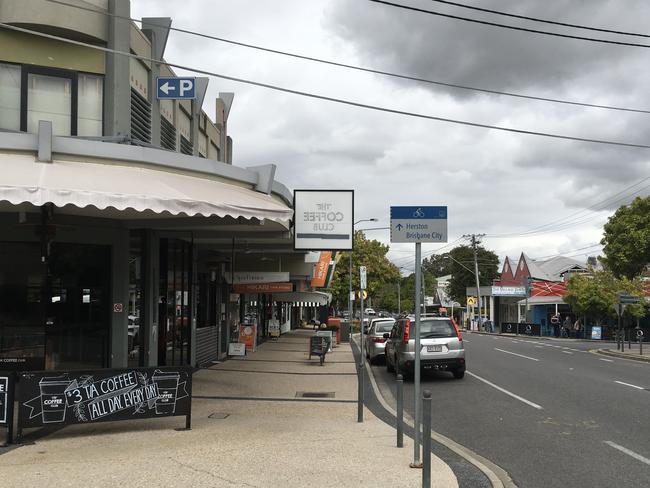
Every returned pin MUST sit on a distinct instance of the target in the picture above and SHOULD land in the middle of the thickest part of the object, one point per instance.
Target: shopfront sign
(320, 269)
(418, 224)
(248, 336)
(323, 220)
(23, 363)
(80, 397)
(256, 277)
(596, 332)
(263, 288)
(236, 349)
(508, 291)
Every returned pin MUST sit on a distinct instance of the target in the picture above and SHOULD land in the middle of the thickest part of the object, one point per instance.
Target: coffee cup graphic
(53, 398)
(167, 383)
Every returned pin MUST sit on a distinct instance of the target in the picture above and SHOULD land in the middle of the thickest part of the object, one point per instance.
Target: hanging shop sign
(320, 269)
(257, 277)
(4, 399)
(263, 288)
(80, 397)
(508, 291)
(323, 220)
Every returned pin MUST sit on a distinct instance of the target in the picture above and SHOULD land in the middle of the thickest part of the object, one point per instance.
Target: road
(549, 412)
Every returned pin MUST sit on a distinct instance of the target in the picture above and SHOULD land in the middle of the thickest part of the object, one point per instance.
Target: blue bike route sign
(418, 224)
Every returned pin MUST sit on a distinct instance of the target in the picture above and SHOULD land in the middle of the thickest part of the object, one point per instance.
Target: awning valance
(316, 297)
(124, 187)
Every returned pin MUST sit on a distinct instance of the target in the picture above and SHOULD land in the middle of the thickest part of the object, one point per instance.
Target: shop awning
(541, 300)
(122, 187)
(316, 297)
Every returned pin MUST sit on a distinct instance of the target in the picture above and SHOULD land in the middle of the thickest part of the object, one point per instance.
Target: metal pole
(629, 338)
(361, 361)
(416, 379)
(400, 411)
(619, 343)
(478, 286)
(426, 439)
(350, 298)
(399, 297)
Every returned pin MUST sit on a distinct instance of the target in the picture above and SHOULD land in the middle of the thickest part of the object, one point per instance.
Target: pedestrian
(577, 327)
(566, 327)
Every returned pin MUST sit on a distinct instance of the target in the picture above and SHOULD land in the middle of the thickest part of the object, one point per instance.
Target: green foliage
(627, 239)
(437, 265)
(379, 270)
(595, 295)
(462, 270)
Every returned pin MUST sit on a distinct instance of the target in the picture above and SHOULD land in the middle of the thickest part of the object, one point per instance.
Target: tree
(379, 270)
(437, 265)
(595, 295)
(462, 270)
(627, 239)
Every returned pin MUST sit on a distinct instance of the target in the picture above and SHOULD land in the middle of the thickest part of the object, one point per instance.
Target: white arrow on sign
(165, 88)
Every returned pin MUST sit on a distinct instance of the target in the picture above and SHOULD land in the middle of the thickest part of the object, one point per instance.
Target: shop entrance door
(77, 307)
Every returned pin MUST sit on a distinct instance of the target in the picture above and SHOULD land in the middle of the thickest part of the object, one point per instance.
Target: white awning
(315, 297)
(541, 300)
(83, 184)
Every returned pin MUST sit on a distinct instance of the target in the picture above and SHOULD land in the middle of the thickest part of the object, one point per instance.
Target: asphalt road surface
(549, 412)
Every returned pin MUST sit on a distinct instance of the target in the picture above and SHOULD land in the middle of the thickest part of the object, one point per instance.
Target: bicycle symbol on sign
(419, 213)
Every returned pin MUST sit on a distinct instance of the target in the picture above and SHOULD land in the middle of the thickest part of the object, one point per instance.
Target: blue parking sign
(175, 88)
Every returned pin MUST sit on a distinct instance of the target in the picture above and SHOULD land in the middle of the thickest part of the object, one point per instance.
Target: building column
(120, 304)
(151, 276)
(117, 85)
(492, 310)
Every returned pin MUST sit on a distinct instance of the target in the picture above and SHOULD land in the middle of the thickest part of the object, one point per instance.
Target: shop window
(10, 96)
(49, 98)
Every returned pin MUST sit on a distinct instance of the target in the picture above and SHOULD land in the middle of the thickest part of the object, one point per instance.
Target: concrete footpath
(250, 428)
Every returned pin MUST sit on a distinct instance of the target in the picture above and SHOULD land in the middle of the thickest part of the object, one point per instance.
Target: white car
(370, 311)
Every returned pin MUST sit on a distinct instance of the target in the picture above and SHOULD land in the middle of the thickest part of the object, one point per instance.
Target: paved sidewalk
(632, 354)
(268, 438)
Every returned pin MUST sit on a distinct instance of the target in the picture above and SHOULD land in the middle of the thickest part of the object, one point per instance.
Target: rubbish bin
(345, 331)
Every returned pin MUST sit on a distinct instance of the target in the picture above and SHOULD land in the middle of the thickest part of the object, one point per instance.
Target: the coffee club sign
(51, 398)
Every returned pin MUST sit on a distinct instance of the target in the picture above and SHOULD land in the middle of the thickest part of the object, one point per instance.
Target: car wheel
(389, 366)
(459, 374)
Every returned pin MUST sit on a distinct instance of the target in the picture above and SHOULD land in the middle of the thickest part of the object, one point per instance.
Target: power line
(544, 21)
(366, 69)
(511, 27)
(564, 254)
(326, 98)
(576, 218)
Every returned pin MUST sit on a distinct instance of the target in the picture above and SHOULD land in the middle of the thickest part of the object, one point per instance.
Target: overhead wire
(511, 27)
(544, 21)
(315, 96)
(366, 69)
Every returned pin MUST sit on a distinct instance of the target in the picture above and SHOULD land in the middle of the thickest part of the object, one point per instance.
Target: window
(9, 96)
(90, 105)
(72, 101)
(49, 98)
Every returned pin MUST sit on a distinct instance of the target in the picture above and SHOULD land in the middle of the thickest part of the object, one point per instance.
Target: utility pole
(475, 240)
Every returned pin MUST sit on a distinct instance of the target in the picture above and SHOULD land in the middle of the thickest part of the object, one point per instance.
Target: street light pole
(350, 301)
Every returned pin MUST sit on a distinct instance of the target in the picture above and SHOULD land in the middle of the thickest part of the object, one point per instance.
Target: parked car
(441, 344)
(370, 311)
(375, 340)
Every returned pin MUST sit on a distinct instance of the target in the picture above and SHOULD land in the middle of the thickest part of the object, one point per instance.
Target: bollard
(400, 411)
(360, 393)
(426, 439)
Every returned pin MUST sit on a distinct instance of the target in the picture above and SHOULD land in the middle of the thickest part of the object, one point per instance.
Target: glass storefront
(54, 314)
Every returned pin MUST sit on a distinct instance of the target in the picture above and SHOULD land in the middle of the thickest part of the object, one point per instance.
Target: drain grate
(314, 394)
(218, 415)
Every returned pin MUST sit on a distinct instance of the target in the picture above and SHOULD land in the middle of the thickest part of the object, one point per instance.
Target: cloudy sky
(526, 193)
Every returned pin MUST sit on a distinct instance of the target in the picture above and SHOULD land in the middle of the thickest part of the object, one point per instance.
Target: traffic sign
(362, 293)
(625, 298)
(175, 88)
(471, 301)
(362, 278)
(418, 224)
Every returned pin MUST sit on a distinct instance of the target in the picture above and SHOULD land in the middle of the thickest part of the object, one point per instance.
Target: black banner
(21, 363)
(78, 397)
(521, 328)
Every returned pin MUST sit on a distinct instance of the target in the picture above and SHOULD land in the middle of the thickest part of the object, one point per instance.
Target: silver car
(375, 340)
(441, 345)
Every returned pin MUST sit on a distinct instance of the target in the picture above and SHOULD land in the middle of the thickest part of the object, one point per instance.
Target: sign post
(418, 225)
(362, 294)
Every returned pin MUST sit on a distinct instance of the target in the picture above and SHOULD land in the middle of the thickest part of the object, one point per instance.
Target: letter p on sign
(187, 87)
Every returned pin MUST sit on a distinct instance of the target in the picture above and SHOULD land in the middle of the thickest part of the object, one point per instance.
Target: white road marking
(465, 340)
(540, 347)
(567, 352)
(576, 350)
(625, 450)
(515, 354)
(515, 341)
(607, 360)
(503, 390)
(628, 384)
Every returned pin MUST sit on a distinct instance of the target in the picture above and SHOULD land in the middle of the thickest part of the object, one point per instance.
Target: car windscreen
(437, 328)
(383, 327)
